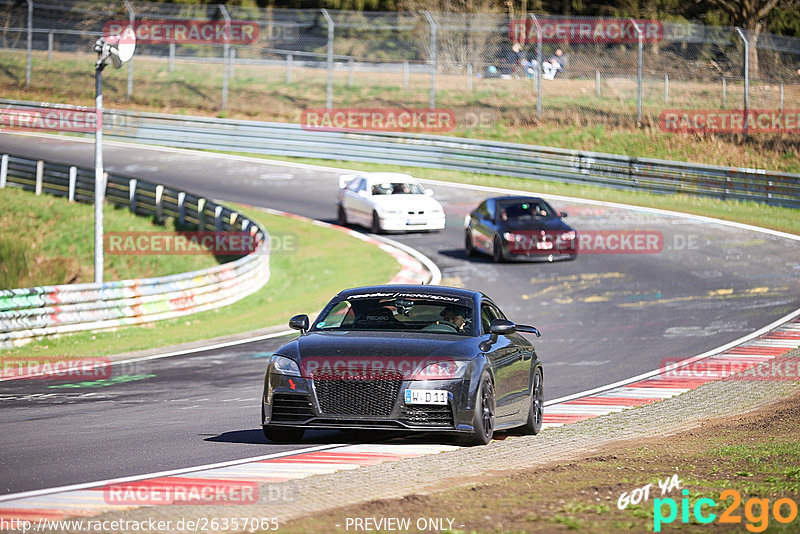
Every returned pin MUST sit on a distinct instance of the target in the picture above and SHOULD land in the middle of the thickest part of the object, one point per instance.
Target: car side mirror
(528, 330)
(429, 192)
(562, 214)
(299, 322)
(498, 327)
(502, 327)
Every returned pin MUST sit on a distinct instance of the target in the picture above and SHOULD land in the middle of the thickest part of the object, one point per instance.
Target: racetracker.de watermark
(380, 368)
(585, 242)
(188, 243)
(239, 32)
(55, 119)
(184, 492)
(785, 121)
(40, 369)
(744, 368)
(378, 119)
(581, 30)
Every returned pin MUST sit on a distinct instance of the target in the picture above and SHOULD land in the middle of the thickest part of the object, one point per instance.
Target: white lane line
(171, 472)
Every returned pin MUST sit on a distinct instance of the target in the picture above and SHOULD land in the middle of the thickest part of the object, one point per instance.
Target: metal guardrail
(40, 311)
(452, 153)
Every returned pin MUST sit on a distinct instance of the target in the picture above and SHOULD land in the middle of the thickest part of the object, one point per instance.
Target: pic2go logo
(756, 511)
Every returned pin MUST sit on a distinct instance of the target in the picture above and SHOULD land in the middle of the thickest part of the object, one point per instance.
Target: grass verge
(305, 275)
(776, 218)
(757, 455)
(573, 116)
(49, 241)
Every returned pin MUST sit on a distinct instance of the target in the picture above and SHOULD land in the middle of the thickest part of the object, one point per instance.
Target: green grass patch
(776, 218)
(573, 116)
(49, 241)
(321, 262)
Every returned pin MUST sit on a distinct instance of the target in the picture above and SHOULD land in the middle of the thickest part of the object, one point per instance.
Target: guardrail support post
(132, 195)
(597, 83)
(233, 62)
(39, 176)
(289, 59)
(538, 66)
(245, 224)
(159, 203)
(50, 46)
(131, 22)
(724, 92)
(218, 218)
(232, 221)
(201, 214)
(433, 51)
(405, 75)
(666, 88)
(181, 208)
(781, 102)
(746, 75)
(469, 77)
(225, 55)
(73, 178)
(350, 72)
(640, 38)
(29, 53)
(329, 92)
(171, 66)
(3, 170)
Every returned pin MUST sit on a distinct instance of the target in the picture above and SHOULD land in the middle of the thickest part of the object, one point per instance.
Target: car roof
(380, 177)
(516, 198)
(430, 290)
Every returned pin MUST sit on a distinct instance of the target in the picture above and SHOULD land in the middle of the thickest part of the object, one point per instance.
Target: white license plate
(426, 396)
(416, 222)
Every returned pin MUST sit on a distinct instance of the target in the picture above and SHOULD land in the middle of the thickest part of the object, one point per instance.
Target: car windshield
(440, 314)
(397, 188)
(525, 209)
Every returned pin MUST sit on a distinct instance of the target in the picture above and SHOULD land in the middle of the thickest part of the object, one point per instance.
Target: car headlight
(568, 236)
(513, 238)
(284, 366)
(443, 370)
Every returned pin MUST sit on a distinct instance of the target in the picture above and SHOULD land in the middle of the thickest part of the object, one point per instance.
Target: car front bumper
(290, 401)
(395, 223)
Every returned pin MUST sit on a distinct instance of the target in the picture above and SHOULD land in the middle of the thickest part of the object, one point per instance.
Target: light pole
(120, 49)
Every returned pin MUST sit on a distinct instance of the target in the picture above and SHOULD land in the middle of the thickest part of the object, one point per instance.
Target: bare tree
(751, 15)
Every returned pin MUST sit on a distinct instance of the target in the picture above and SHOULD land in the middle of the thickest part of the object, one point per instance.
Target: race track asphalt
(603, 318)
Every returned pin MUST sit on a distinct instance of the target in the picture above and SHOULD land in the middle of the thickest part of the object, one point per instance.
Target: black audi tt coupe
(519, 228)
(415, 358)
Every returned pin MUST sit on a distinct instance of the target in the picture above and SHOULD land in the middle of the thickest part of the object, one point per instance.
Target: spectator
(552, 66)
(513, 61)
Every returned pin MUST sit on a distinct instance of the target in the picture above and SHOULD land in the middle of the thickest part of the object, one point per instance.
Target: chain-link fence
(575, 71)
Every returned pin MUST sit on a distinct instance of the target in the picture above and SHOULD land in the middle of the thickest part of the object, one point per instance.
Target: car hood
(406, 351)
(406, 202)
(552, 225)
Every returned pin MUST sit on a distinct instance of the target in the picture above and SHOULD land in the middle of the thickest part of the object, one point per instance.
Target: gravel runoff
(434, 472)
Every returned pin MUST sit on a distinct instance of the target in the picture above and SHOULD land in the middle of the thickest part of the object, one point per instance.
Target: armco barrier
(40, 311)
(471, 155)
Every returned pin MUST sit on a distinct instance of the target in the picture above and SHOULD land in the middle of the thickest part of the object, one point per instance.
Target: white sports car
(387, 201)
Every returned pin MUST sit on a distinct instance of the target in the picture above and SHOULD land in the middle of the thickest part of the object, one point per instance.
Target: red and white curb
(748, 358)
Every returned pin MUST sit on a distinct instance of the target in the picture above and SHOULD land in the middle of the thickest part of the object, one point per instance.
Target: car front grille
(433, 416)
(291, 407)
(357, 396)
